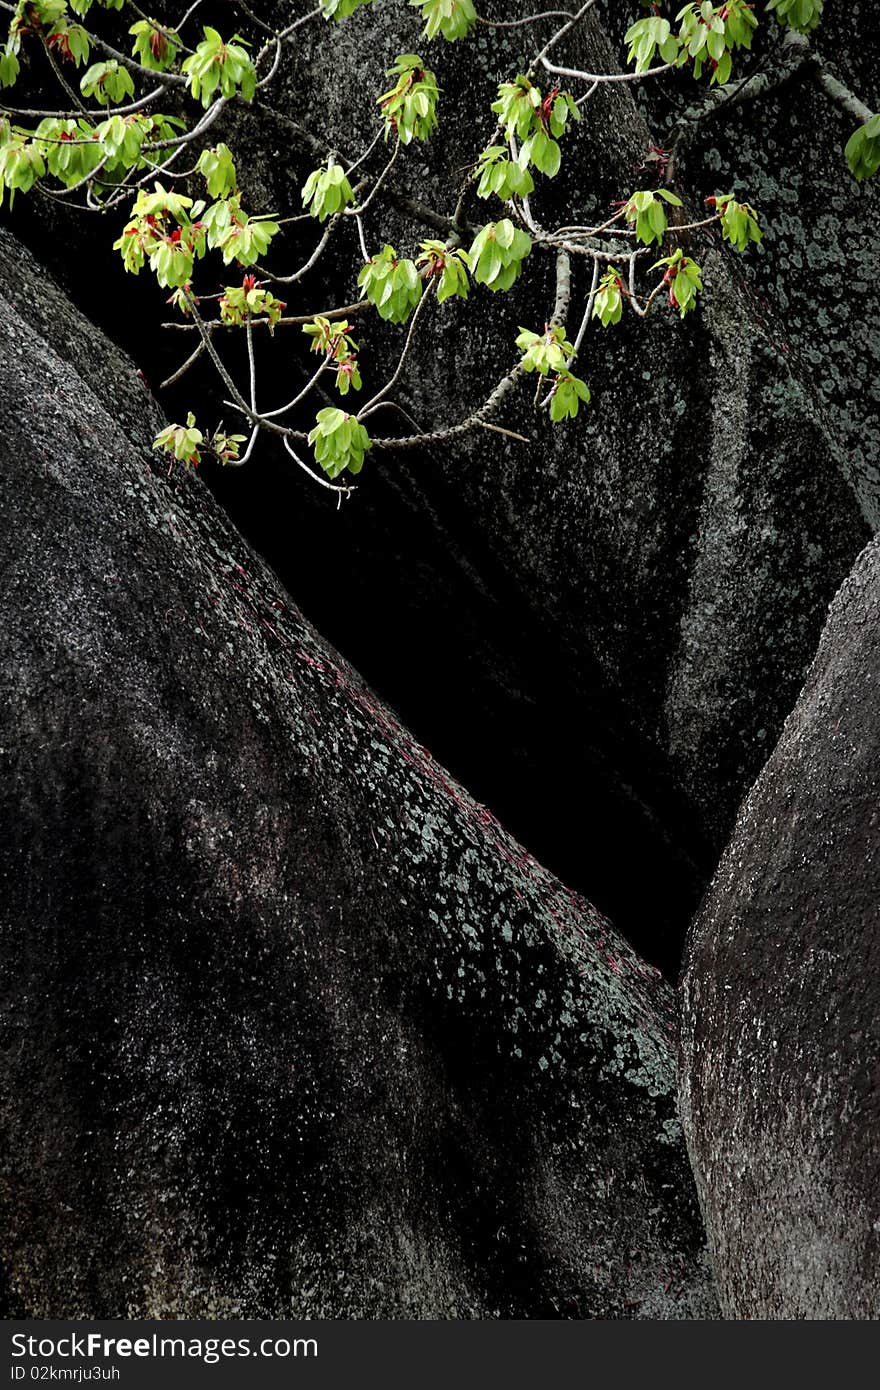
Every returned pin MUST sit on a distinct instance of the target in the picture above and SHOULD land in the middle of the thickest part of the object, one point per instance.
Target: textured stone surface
(781, 1044)
(620, 615)
(291, 1025)
(815, 274)
(678, 546)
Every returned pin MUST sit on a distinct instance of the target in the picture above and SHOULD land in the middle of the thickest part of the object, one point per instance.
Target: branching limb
(341, 489)
(529, 19)
(479, 418)
(298, 399)
(182, 370)
(389, 386)
(598, 78)
(588, 309)
(312, 261)
(368, 201)
(560, 34)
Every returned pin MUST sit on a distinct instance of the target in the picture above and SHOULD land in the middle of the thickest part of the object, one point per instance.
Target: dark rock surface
(781, 1046)
(601, 633)
(291, 1026)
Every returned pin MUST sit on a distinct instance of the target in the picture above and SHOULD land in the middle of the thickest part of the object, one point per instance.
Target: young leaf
(341, 9)
(567, 395)
(497, 254)
(863, 149)
(155, 46)
(183, 442)
(339, 442)
(392, 285)
(218, 169)
(608, 304)
(684, 278)
(739, 221)
(327, 191)
(220, 68)
(409, 109)
(544, 352)
(800, 15)
(454, 19)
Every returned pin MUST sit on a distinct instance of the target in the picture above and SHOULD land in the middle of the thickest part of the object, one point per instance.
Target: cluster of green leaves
(549, 353)
(863, 149)
(21, 164)
(608, 303)
(544, 352)
(218, 67)
(172, 232)
(707, 35)
(409, 108)
(565, 398)
(450, 264)
(236, 235)
(739, 221)
(249, 300)
(497, 254)
(217, 167)
(710, 34)
(183, 442)
(71, 41)
(646, 37)
(186, 442)
(165, 229)
(647, 212)
(107, 82)
(800, 15)
(155, 47)
(497, 173)
(453, 19)
(162, 230)
(684, 278)
(71, 150)
(339, 442)
(335, 342)
(327, 191)
(392, 285)
(537, 121)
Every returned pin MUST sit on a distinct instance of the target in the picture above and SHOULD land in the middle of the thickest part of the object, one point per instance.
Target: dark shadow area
(439, 631)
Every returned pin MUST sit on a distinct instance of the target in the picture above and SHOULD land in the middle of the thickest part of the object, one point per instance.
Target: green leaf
(453, 19)
(543, 152)
(567, 395)
(499, 174)
(183, 442)
(341, 9)
(218, 170)
(863, 149)
(220, 68)
(497, 254)
(739, 221)
(644, 209)
(801, 15)
(9, 68)
(392, 285)
(107, 82)
(409, 107)
(155, 45)
(608, 303)
(684, 278)
(327, 191)
(339, 442)
(545, 352)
